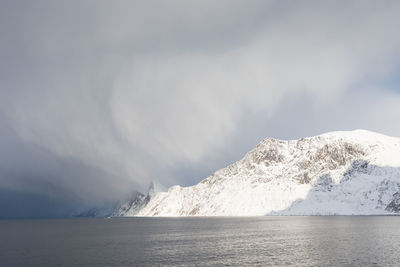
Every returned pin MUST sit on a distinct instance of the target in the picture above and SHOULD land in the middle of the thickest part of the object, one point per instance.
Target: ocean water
(244, 241)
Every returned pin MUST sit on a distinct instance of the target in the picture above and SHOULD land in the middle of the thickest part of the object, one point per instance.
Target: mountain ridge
(342, 172)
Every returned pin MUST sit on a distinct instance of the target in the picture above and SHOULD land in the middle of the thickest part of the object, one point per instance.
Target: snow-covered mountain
(356, 172)
(135, 203)
(127, 207)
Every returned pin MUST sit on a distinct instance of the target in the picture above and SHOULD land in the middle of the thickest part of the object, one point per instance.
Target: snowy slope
(134, 204)
(355, 172)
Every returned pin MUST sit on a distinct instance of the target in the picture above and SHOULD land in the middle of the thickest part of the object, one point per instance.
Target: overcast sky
(98, 98)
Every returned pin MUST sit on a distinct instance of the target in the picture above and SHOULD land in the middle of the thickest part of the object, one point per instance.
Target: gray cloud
(97, 99)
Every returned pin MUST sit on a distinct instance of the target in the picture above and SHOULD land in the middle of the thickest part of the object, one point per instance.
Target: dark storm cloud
(36, 182)
(97, 98)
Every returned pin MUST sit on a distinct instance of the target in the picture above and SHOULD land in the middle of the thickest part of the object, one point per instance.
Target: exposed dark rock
(357, 167)
(394, 205)
(304, 179)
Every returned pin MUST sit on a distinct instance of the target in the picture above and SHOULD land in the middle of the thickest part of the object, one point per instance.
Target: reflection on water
(300, 241)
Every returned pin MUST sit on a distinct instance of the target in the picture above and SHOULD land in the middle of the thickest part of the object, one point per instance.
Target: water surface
(259, 241)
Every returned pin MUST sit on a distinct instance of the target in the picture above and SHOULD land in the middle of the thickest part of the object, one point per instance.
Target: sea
(203, 241)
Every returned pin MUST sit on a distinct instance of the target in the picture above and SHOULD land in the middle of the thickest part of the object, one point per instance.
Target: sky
(99, 98)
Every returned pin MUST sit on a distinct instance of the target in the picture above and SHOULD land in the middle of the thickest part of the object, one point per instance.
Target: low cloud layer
(98, 99)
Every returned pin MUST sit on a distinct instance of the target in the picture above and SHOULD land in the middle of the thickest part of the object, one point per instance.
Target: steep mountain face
(128, 207)
(135, 203)
(355, 172)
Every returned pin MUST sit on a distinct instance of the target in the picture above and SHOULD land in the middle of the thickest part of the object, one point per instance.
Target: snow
(354, 172)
